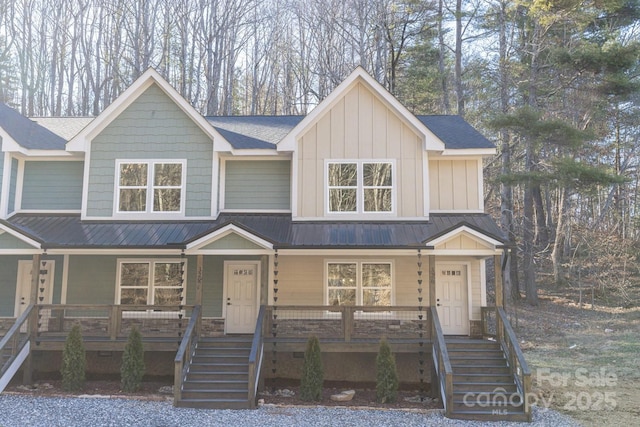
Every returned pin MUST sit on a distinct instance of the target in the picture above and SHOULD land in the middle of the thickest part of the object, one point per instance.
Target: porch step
(218, 376)
(483, 386)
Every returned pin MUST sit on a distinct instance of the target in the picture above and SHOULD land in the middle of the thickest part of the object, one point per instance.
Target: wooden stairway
(218, 375)
(483, 387)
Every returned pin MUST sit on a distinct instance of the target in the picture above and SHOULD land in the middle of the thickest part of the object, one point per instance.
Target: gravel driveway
(22, 411)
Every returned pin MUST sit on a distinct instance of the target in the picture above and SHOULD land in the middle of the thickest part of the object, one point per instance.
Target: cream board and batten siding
(360, 127)
(301, 278)
(455, 185)
(153, 127)
(260, 185)
(52, 185)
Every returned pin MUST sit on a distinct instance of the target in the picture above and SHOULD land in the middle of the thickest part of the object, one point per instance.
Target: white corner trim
(17, 202)
(483, 282)
(6, 186)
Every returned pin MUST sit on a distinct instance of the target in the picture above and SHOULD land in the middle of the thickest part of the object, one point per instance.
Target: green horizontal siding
(91, 279)
(7, 241)
(152, 127)
(52, 185)
(8, 277)
(262, 184)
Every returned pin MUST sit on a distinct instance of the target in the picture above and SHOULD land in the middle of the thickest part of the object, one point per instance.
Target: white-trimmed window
(150, 186)
(360, 187)
(151, 282)
(368, 283)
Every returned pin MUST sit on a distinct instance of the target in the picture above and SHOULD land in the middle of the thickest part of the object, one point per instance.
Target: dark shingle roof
(455, 132)
(246, 132)
(68, 231)
(27, 133)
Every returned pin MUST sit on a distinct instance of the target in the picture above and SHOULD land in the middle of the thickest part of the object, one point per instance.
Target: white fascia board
(254, 152)
(225, 231)
(81, 141)
(464, 152)
(98, 251)
(359, 75)
(480, 236)
(476, 253)
(382, 252)
(20, 236)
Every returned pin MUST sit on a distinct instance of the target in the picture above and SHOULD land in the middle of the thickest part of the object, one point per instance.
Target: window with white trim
(150, 186)
(359, 283)
(151, 282)
(360, 187)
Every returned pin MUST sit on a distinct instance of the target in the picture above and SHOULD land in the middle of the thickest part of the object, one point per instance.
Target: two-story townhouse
(355, 222)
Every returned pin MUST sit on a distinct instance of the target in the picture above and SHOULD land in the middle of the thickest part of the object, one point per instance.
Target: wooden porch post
(432, 280)
(32, 323)
(434, 388)
(497, 267)
(199, 268)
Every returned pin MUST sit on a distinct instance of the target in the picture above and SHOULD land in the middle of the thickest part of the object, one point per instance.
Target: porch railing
(347, 323)
(441, 363)
(255, 356)
(14, 341)
(185, 352)
(112, 322)
(517, 363)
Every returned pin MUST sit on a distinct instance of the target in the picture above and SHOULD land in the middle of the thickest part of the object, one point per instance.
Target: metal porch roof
(69, 231)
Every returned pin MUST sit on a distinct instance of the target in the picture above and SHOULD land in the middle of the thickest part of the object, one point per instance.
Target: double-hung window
(150, 186)
(365, 283)
(360, 187)
(151, 282)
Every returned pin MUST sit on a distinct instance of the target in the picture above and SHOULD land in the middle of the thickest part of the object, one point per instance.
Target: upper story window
(360, 187)
(150, 186)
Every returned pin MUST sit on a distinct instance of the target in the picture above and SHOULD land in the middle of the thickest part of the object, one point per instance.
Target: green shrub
(132, 369)
(386, 374)
(312, 372)
(74, 361)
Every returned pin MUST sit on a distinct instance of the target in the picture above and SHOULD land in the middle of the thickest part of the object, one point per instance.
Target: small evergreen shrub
(132, 368)
(312, 372)
(74, 361)
(386, 374)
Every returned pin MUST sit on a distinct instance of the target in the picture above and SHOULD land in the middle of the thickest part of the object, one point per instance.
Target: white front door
(452, 300)
(23, 287)
(241, 290)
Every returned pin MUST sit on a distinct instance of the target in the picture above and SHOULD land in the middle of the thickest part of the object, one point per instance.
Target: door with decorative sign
(452, 300)
(23, 286)
(241, 290)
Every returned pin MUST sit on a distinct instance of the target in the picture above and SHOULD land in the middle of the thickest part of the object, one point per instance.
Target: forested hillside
(555, 83)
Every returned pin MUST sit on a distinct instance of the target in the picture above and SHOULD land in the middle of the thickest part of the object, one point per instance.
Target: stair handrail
(13, 337)
(184, 353)
(517, 364)
(255, 356)
(441, 363)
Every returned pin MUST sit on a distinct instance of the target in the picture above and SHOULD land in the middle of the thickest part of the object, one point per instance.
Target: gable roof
(70, 232)
(17, 132)
(359, 75)
(81, 140)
